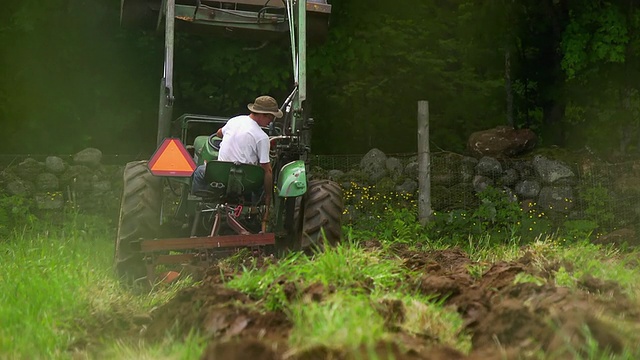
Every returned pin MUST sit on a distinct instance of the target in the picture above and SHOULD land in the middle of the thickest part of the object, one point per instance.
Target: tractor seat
(232, 182)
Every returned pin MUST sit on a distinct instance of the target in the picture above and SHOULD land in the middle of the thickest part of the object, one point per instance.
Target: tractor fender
(292, 181)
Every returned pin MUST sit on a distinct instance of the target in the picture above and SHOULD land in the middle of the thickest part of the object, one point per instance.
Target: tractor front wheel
(140, 209)
(323, 208)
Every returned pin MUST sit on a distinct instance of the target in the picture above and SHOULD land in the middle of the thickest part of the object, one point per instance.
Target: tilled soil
(506, 319)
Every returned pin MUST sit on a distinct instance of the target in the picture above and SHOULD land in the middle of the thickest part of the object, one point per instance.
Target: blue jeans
(198, 183)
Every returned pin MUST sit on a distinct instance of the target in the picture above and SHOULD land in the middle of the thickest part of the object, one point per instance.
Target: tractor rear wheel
(140, 209)
(323, 208)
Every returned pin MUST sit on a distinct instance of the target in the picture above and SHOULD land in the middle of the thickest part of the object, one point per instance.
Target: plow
(231, 213)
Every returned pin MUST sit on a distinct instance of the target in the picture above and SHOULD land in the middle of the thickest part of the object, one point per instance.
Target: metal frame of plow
(203, 250)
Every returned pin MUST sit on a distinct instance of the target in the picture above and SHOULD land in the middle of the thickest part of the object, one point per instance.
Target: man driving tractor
(244, 141)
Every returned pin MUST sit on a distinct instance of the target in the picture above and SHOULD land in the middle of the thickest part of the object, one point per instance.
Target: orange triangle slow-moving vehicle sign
(172, 159)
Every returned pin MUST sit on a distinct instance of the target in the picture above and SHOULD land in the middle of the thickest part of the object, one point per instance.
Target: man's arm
(219, 133)
(265, 163)
(268, 190)
(268, 182)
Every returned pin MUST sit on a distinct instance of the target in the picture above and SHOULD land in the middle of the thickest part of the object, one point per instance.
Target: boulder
(525, 169)
(445, 169)
(29, 169)
(373, 164)
(409, 186)
(411, 170)
(76, 174)
(528, 189)
(558, 199)
(54, 165)
(49, 201)
(489, 167)
(509, 177)
(335, 175)
(502, 141)
(468, 169)
(47, 182)
(481, 183)
(553, 171)
(90, 157)
(394, 167)
(19, 187)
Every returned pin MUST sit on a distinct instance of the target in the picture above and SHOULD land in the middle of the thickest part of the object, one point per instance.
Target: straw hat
(265, 105)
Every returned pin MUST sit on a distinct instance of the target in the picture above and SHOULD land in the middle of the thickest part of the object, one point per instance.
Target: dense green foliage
(567, 69)
(498, 217)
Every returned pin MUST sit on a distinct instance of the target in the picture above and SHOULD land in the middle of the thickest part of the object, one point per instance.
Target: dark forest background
(71, 77)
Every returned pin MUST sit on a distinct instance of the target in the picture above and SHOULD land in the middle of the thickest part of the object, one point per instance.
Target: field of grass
(59, 297)
(56, 284)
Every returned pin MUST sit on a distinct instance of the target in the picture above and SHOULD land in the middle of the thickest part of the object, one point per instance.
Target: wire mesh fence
(352, 162)
(605, 193)
(600, 195)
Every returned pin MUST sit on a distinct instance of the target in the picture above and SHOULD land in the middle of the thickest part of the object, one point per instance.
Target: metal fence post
(424, 164)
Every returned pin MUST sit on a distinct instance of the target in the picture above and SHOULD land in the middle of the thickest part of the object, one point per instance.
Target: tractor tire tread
(139, 218)
(323, 213)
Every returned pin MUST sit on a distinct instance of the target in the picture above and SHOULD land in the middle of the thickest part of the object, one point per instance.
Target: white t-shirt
(243, 141)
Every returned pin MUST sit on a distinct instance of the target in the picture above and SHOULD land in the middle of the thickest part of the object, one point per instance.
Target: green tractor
(206, 226)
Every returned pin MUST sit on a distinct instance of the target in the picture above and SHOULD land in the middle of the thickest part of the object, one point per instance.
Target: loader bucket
(250, 19)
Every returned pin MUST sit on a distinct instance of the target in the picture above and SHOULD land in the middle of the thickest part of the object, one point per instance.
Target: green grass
(606, 263)
(57, 281)
(346, 318)
(343, 321)
(346, 267)
(45, 279)
(57, 287)
(170, 348)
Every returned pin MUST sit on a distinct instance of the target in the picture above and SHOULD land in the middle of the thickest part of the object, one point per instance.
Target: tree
(600, 58)
(380, 60)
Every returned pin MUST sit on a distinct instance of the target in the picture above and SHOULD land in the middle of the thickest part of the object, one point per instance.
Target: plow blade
(213, 242)
(197, 251)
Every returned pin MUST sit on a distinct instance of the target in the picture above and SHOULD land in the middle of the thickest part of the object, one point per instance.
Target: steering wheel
(214, 142)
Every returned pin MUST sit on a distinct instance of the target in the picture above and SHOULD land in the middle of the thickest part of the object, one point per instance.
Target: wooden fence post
(424, 164)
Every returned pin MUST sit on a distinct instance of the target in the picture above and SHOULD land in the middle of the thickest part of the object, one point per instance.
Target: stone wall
(551, 182)
(82, 182)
